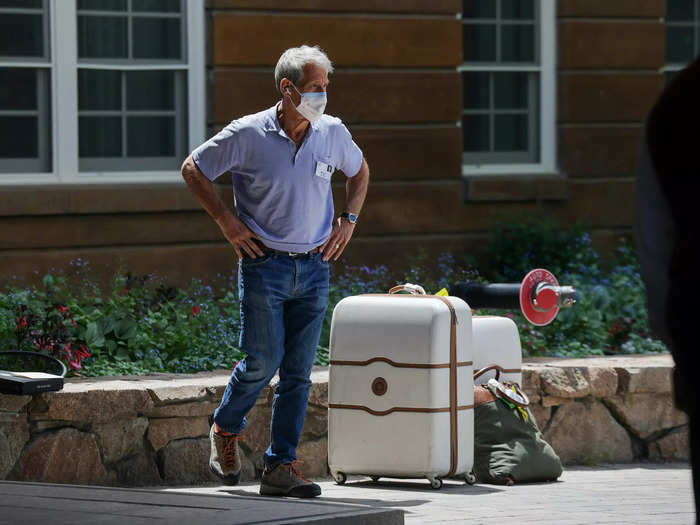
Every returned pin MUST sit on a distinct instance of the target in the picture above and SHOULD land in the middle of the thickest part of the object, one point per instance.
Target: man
(668, 236)
(284, 234)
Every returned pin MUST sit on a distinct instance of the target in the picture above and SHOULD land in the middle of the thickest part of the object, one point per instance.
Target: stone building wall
(154, 430)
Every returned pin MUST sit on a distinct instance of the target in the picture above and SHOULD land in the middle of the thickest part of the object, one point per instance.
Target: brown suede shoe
(286, 480)
(225, 458)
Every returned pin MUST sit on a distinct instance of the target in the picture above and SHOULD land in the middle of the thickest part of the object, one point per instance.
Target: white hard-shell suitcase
(496, 342)
(401, 390)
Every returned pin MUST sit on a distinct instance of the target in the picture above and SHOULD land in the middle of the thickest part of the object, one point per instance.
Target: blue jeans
(283, 304)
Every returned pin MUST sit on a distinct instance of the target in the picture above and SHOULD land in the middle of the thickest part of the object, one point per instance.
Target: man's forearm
(356, 189)
(204, 192)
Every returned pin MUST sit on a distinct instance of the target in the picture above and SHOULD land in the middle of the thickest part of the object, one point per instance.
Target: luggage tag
(324, 171)
(513, 395)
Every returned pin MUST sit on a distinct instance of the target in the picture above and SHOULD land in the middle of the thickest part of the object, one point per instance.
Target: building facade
(465, 111)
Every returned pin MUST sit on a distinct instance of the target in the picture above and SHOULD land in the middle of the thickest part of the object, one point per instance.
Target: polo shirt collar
(272, 124)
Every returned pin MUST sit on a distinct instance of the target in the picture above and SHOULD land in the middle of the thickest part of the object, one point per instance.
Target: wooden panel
(421, 208)
(352, 96)
(178, 263)
(357, 6)
(389, 42)
(405, 153)
(611, 45)
(595, 151)
(107, 230)
(618, 8)
(412, 153)
(607, 97)
(56, 200)
(519, 188)
(600, 204)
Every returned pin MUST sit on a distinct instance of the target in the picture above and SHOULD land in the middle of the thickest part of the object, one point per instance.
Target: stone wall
(153, 430)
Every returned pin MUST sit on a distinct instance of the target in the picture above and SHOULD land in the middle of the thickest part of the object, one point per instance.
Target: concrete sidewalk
(627, 494)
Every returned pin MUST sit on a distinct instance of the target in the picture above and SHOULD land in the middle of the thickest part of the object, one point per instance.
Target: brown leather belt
(267, 249)
(290, 254)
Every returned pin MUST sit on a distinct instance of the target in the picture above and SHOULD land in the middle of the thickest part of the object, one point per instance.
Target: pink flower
(195, 310)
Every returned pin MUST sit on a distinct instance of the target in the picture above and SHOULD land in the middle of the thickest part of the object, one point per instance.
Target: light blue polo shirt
(281, 194)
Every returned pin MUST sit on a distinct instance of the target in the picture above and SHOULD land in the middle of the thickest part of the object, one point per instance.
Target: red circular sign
(527, 287)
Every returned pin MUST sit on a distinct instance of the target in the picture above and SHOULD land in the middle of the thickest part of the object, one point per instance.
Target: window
(508, 86)
(25, 73)
(682, 34)
(127, 90)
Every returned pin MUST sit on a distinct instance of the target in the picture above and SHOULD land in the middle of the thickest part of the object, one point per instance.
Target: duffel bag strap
(481, 372)
(413, 289)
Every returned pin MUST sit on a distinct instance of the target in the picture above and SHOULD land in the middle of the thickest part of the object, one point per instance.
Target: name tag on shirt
(324, 170)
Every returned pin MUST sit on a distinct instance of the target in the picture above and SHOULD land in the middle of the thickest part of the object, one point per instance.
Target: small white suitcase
(401, 390)
(497, 342)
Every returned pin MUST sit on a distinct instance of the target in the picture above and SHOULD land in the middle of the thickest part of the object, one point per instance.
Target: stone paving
(621, 494)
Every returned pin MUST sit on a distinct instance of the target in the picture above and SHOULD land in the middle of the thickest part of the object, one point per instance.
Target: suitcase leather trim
(398, 409)
(454, 442)
(399, 365)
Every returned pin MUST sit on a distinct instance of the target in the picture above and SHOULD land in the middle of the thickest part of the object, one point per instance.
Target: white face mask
(312, 104)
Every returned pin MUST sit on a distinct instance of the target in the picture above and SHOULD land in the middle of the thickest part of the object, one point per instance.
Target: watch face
(352, 218)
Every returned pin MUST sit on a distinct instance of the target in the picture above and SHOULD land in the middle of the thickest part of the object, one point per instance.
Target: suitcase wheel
(470, 478)
(340, 477)
(375, 478)
(435, 483)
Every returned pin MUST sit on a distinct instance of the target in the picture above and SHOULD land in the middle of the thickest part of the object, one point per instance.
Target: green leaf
(107, 324)
(126, 329)
(48, 280)
(94, 336)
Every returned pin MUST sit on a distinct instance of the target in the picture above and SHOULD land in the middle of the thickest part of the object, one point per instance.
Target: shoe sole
(294, 492)
(231, 479)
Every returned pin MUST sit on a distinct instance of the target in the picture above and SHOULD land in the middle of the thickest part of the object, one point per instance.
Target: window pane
(518, 43)
(18, 89)
(679, 44)
(510, 90)
(150, 90)
(151, 136)
(21, 35)
(99, 90)
(478, 9)
(19, 137)
(157, 38)
(163, 6)
(25, 4)
(511, 132)
(102, 5)
(679, 10)
(475, 130)
(100, 136)
(524, 9)
(476, 90)
(102, 37)
(479, 43)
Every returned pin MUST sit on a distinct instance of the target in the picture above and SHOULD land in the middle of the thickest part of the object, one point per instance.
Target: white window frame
(675, 67)
(547, 101)
(64, 101)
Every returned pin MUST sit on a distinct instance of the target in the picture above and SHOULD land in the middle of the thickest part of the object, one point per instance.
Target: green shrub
(141, 324)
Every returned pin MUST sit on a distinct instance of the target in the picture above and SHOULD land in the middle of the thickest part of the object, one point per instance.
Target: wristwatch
(351, 217)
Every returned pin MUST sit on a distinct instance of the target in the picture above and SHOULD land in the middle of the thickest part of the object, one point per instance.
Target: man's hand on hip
(240, 237)
(338, 239)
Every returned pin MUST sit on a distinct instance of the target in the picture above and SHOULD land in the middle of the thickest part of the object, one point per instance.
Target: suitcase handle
(413, 289)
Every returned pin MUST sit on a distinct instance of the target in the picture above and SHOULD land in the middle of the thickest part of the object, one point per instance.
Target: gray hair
(291, 63)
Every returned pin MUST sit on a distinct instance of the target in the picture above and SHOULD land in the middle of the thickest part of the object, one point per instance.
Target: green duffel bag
(508, 445)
